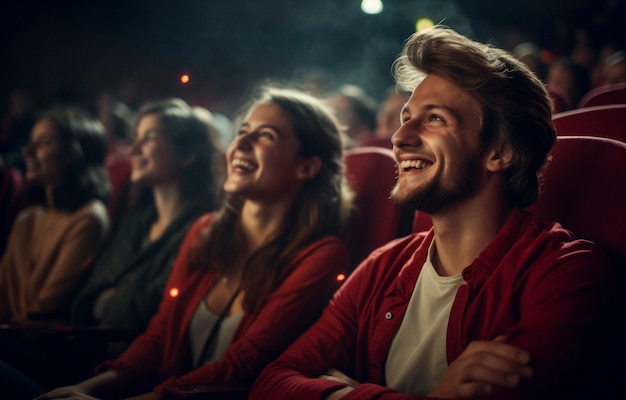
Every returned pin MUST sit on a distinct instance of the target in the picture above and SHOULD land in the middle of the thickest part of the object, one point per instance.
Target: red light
(173, 292)
(184, 78)
(341, 277)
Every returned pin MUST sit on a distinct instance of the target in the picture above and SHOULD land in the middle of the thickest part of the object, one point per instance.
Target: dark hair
(321, 207)
(83, 141)
(517, 110)
(192, 132)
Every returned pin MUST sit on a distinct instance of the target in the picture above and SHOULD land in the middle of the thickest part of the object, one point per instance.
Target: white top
(417, 358)
(200, 327)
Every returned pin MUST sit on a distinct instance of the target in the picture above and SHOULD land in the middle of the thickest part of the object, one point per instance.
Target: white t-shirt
(200, 327)
(417, 358)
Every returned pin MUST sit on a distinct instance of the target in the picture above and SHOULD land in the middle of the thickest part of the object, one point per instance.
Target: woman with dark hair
(176, 170)
(53, 240)
(252, 277)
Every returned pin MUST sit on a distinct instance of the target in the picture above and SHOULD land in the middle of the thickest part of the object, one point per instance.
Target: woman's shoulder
(203, 222)
(95, 211)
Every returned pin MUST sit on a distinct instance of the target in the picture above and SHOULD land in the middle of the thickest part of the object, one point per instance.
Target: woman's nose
(244, 142)
(134, 147)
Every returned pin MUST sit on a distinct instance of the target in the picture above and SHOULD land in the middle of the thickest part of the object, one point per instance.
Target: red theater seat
(371, 173)
(604, 95)
(603, 121)
(585, 190)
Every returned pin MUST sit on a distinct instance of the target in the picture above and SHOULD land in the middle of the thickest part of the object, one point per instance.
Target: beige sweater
(46, 259)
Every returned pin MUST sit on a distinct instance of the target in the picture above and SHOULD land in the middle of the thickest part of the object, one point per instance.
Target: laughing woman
(252, 277)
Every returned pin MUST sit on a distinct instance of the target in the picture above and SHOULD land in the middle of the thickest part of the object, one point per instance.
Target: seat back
(584, 189)
(604, 121)
(371, 173)
(604, 95)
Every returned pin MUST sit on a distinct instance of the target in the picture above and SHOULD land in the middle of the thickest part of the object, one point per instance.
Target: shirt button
(388, 315)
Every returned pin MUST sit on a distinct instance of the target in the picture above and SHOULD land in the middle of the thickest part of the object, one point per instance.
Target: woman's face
(44, 156)
(263, 160)
(153, 158)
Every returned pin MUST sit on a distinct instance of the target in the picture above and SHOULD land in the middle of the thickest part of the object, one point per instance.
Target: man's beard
(435, 195)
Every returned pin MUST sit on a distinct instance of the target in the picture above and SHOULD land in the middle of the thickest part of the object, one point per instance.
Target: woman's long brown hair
(321, 207)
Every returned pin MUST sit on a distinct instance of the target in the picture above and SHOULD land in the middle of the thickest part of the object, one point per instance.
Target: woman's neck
(170, 204)
(261, 222)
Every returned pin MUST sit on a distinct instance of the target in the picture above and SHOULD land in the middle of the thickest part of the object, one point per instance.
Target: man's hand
(482, 366)
(338, 376)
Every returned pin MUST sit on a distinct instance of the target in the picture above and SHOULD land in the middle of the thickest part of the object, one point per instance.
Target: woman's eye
(268, 135)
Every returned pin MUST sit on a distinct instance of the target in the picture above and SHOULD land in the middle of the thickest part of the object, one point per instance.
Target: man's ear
(309, 168)
(500, 157)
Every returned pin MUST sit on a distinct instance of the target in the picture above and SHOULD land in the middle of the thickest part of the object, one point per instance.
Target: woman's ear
(500, 157)
(309, 168)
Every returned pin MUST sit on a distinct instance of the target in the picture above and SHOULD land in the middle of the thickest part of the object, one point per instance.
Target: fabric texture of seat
(584, 188)
(371, 173)
(604, 95)
(603, 121)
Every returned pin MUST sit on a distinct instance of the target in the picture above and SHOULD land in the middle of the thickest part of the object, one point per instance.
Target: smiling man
(490, 303)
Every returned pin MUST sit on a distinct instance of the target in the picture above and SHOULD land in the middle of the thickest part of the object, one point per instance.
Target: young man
(491, 301)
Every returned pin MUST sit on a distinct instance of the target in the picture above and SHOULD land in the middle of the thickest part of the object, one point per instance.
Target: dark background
(138, 48)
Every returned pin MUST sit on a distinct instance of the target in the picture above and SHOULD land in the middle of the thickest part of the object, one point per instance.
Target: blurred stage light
(372, 6)
(423, 23)
(184, 78)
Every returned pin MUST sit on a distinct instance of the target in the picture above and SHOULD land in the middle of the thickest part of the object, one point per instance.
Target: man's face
(438, 148)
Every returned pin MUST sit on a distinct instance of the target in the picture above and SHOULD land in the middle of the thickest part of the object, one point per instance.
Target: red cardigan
(162, 354)
(538, 285)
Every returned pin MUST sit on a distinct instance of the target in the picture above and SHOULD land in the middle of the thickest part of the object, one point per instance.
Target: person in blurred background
(252, 277)
(53, 242)
(356, 112)
(568, 80)
(177, 171)
(388, 116)
(615, 68)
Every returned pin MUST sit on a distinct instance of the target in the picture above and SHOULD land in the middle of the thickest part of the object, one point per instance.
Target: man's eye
(435, 117)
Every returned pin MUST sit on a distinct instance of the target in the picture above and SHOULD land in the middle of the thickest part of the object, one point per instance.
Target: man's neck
(462, 233)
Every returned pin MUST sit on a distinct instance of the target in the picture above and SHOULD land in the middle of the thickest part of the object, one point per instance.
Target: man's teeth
(417, 164)
(242, 164)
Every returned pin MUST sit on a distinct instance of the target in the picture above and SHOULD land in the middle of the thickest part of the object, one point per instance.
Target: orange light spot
(184, 78)
(341, 277)
(173, 292)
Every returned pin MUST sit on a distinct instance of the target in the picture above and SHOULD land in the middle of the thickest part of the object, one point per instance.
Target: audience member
(251, 278)
(388, 116)
(492, 302)
(615, 70)
(16, 127)
(177, 164)
(356, 113)
(568, 80)
(51, 245)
